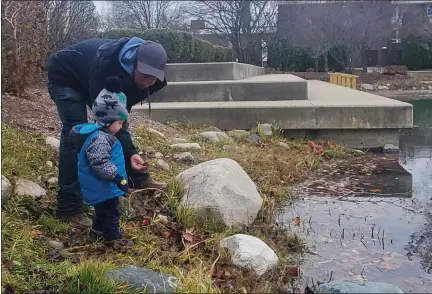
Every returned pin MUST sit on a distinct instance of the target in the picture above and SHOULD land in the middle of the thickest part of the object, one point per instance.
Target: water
(385, 233)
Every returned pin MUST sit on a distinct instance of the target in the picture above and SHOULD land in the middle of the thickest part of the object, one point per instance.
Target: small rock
(383, 88)
(254, 138)
(250, 252)
(358, 151)
(28, 188)
(283, 144)
(162, 164)
(214, 136)
(184, 156)
(52, 181)
(158, 155)
(367, 87)
(266, 129)
(358, 287)
(6, 189)
(430, 87)
(186, 146)
(212, 129)
(148, 281)
(53, 142)
(56, 245)
(49, 163)
(423, 88)
(179, 140)
(156, 132)
(390, 148)
(388, 85)
(238, 134)
(414, 88)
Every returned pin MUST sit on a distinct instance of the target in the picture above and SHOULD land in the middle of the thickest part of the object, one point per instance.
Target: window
(429, 10)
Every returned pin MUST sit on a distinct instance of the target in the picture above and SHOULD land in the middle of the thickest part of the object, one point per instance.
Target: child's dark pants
(107, 219)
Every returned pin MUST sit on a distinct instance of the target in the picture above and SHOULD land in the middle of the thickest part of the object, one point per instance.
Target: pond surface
(383, 234)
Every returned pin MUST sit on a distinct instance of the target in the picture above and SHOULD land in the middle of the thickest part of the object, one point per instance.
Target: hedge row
(180, 47)
(285, 57)
(416, 56)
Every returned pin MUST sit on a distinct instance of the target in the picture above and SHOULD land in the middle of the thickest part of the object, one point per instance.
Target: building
(395, 18)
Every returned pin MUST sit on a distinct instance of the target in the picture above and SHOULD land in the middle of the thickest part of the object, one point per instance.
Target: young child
(101, 166)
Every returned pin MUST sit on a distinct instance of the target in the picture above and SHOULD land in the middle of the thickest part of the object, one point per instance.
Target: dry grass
(200, 264)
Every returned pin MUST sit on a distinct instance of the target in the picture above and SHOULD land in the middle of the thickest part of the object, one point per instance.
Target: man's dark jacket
(86, 65)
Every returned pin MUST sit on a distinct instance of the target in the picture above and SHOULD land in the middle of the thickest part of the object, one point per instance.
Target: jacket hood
(78, 135)
(128, 54)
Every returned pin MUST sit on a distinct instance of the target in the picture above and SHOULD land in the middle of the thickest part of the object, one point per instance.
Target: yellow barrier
(344, 80)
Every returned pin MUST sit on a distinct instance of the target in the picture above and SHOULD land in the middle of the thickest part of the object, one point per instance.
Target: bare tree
(247, 25)
(143, 14)
(357, 26)
(413, 20)
(69, 22)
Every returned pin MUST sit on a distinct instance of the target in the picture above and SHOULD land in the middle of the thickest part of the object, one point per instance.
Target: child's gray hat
(110, 104)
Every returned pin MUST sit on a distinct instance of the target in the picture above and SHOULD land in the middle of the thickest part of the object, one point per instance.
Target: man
(76, 75)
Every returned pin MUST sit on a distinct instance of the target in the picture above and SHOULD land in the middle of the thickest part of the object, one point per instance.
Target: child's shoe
(120, 244)
(95, 235)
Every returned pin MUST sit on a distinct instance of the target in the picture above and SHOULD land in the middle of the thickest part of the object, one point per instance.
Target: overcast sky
(101, 6)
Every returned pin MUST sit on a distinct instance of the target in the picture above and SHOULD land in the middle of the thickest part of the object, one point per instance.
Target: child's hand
(121, 183)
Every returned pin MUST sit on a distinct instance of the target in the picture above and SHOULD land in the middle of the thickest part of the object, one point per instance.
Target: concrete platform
(259, 88)
(211, 71)
(354, 118)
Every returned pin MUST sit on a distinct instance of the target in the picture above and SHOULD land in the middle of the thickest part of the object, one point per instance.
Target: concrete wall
(258, 88)
(211, 71)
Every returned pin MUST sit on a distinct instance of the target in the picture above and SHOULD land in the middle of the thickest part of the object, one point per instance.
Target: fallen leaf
(188, 237)
(34, 234)
(166, 234)
(297, 220)
(162, 218)
(375, 190)
(292, 271)
(145, 222)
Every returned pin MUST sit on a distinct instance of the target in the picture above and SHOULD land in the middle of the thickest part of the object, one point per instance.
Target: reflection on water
(388, 239)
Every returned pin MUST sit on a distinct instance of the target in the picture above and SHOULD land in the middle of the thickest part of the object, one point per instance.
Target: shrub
(24, 43)
(180, 46)
(395, 70)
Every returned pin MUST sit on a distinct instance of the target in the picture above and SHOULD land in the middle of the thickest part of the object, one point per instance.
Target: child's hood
(79, 134)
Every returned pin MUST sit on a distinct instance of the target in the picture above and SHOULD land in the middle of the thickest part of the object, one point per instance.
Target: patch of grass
(200, 265)
(89, 277)
(24, 153)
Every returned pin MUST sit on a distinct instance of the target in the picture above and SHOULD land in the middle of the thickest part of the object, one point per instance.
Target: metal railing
(343, 79)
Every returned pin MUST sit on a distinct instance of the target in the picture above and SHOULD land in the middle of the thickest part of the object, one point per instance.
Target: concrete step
(354, 118)
(259, 88)
(211, 71)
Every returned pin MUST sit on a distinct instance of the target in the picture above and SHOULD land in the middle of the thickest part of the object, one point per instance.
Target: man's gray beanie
(110, 104)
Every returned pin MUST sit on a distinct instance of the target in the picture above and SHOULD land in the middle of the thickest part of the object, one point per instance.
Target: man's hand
(138, 163)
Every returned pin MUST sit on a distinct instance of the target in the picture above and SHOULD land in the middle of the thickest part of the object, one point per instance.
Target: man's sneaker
(79, 221)
(151, 185)
(120, 244)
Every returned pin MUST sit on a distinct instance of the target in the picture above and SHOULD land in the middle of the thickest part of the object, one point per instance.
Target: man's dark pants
(72, 110)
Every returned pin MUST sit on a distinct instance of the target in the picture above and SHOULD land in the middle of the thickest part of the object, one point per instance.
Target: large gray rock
(25, 187)
(222, 190)
(383, 88)
(358, 287)
(239, 134)
(186, 146)
(179, 140)
(214, 136)
(6, 188)
(250, 252)
(53, 142)
(148, 281)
